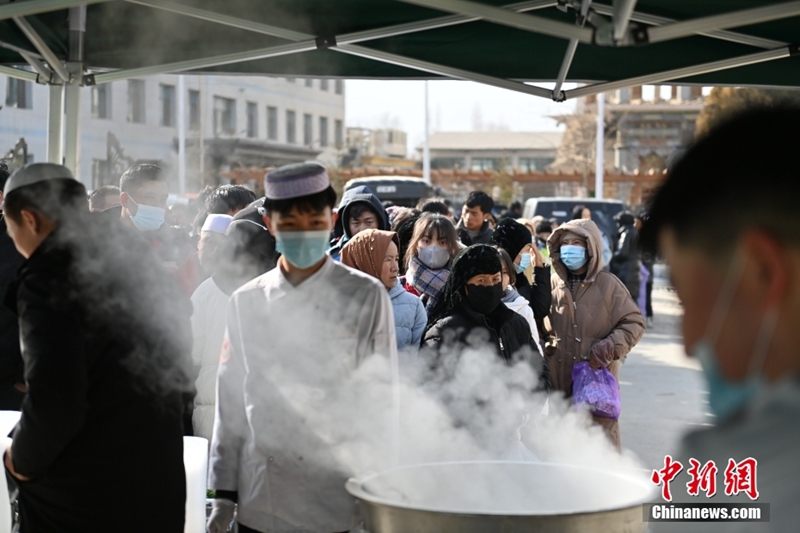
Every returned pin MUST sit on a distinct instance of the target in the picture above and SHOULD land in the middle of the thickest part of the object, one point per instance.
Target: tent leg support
(55, 133)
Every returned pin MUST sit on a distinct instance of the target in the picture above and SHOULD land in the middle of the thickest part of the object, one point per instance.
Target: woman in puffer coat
(376, 252)
(593, 316)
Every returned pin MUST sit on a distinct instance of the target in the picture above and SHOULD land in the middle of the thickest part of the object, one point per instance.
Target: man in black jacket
(105, 339)
(625, 263)
(474, 228)
(11, 385)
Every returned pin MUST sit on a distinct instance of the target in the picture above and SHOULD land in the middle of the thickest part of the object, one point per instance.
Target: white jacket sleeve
(230, 424)
(198, 328)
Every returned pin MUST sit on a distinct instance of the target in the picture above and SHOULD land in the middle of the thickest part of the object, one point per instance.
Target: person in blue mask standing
(295, 335)
(733, 246)
(143, 208)
(593, 317)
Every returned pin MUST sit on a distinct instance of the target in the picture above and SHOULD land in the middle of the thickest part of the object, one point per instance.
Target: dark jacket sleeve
(541, 293)
(54, 351)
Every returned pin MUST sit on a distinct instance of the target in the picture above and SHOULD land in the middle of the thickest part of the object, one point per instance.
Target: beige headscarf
(367, 250)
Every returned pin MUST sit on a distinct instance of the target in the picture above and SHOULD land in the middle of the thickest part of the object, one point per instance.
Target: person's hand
(221, 515)
(601, 354)
(10, 466)
(538, 257)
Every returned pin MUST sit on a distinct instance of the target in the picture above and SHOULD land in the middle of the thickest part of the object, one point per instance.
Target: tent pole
(41, 46)
(44, 73)
(622, 10)
(308, 43)
(181, 135)
(72, 91)
(718, 22)
(55, 133)
(723, 35)
(442, 70)
(670, 75)
(426, 153)
(569, 55)
(502, 16)
(18, 73)
(601, 148)
(34, 7)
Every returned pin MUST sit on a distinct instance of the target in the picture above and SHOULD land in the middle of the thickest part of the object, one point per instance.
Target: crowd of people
(236, 276)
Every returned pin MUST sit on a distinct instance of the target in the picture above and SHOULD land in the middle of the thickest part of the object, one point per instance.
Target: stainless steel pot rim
(355, 488)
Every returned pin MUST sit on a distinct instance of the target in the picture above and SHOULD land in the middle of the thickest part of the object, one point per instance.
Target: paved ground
(663, 392)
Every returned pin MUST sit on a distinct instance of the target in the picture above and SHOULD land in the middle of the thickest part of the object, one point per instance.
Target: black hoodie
(356, 195)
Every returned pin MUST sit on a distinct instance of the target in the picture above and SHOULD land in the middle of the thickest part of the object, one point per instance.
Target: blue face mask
(524, 263)
(726, 397)
(303, 249)
(573, 257)
(147, 217)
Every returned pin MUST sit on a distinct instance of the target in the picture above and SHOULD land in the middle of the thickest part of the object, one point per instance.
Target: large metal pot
(500, 496)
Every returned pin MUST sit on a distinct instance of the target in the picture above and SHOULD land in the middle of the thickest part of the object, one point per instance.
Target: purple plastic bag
(596, 388)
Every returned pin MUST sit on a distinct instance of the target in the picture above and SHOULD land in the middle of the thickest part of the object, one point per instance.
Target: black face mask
(484, 299)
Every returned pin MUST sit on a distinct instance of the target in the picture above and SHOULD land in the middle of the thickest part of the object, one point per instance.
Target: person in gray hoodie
(375, 252)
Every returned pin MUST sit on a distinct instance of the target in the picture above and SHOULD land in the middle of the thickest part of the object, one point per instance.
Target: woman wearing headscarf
(376, 252)
(472, 300)
(593, 316)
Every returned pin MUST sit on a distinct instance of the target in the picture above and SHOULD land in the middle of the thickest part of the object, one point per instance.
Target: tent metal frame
(626, 27)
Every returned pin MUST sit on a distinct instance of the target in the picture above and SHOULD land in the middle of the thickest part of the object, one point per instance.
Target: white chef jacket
(288, 346)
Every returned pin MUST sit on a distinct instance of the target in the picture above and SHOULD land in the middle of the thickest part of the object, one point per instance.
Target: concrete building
(230, 121)
(649, 133)
(521, 151)
(382, 148)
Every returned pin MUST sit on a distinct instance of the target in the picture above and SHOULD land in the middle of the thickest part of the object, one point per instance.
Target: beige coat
(600, 308)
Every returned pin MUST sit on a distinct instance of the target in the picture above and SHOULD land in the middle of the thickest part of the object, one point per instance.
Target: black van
(560, 208)
(405, 192)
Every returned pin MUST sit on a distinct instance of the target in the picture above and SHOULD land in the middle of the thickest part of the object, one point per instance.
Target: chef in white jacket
(295, 336)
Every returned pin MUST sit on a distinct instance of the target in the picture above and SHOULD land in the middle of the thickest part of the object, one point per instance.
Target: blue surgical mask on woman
(726, 397)
(524, 263)
(147, 217)
(573, 257)
(303, 249)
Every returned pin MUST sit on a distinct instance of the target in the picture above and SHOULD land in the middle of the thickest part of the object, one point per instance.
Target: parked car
(400, 191)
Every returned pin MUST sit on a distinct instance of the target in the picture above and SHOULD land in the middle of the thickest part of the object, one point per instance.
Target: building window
(272, 123)
(291, 80)
(339, 86)
(447, 162)
(323, 84)
(308, 130)
(194, 110)
(291, 127)
(101, 101)
(224, 116)
(484, 163)
(338, 133)
(167, 105)
(323, 131)
(309, 82)
(534, 164)
(136, 103)
(19, 94)
(252, 120)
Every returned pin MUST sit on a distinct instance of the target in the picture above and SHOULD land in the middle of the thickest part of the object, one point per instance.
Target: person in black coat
(105, 338)
(472, 301)
(11, 385)
(517, 241)
(625, 263)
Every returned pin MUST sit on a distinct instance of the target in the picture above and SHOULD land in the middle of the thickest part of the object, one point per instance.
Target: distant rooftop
(495, 140)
